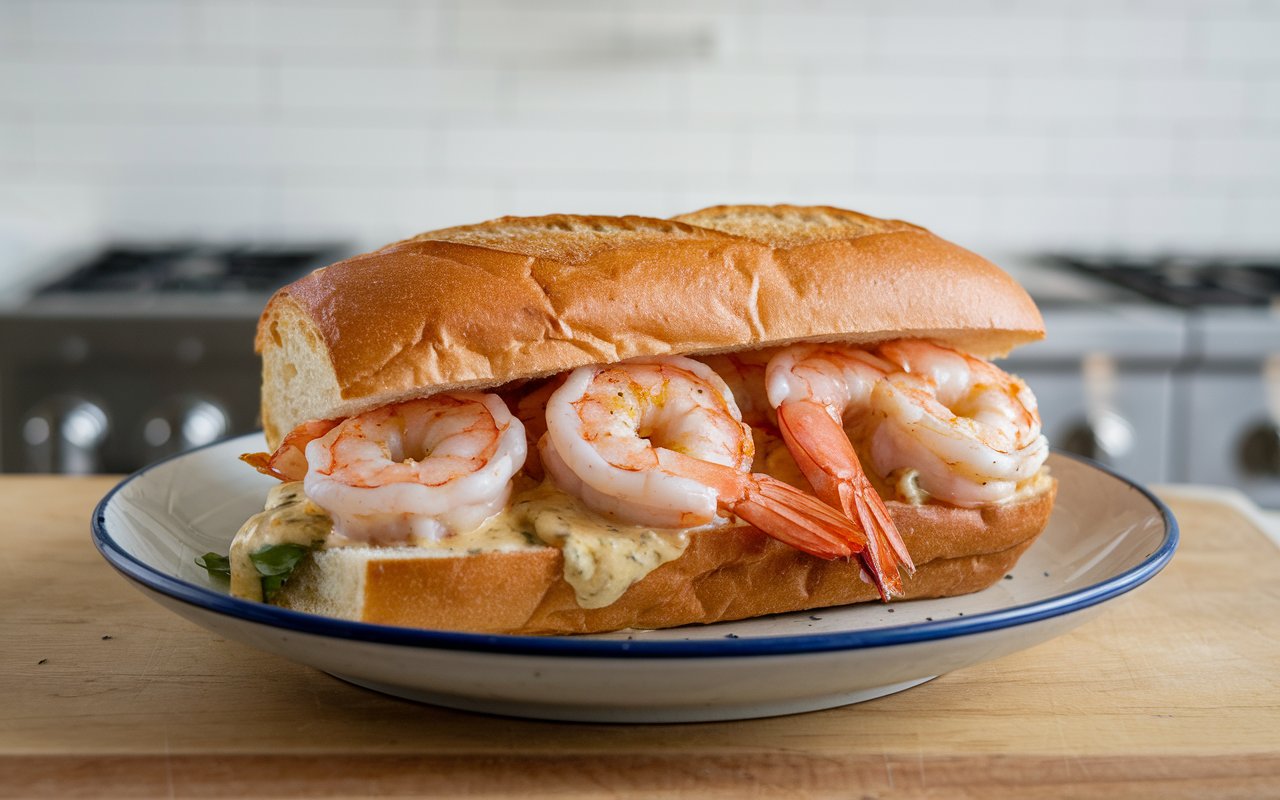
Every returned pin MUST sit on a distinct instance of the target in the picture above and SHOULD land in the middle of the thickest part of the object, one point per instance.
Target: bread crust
(483, 305)
(725, 574)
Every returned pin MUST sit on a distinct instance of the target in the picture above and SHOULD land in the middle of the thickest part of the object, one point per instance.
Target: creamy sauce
(289, 518)
(1031, 486)
(773, 458)
(503, 532)
(906, 486)
(602, 558)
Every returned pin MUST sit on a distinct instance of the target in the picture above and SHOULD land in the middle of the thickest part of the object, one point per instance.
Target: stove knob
(64, 434)
(1259, 451)
(182, 423)
(1106, 437)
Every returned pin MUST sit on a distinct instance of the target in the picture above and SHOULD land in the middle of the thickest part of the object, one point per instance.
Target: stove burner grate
(1186, 282)
(193, 268)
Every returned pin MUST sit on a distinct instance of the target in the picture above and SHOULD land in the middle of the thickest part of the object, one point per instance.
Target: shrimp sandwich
(574, 424)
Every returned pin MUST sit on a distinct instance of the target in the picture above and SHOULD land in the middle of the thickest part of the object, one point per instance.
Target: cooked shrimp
(815, 388)
(422, 468)
(743, 373)
(661, 442)
(289, 461)
(970, 429)
(531, 409)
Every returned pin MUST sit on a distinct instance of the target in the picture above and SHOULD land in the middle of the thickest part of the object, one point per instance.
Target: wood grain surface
(1174, 691)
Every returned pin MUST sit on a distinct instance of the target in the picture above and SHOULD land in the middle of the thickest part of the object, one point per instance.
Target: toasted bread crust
(482, 305)
(725, 574)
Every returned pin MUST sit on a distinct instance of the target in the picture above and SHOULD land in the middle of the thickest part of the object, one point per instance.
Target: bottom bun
(724, 574)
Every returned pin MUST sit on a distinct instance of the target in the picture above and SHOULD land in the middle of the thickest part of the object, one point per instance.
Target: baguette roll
(489, 306)
(518, 298)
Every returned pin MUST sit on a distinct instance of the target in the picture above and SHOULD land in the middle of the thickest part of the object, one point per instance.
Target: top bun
(523, 297)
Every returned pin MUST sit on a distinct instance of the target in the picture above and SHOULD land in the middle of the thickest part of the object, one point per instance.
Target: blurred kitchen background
(164, 165)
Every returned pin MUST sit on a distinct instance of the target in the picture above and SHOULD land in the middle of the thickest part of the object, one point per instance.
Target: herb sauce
(602, 558)
(289, 518)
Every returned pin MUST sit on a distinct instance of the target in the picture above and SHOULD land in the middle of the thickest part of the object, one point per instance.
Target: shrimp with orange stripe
(417, 470)
(968, 431)
(661, 442)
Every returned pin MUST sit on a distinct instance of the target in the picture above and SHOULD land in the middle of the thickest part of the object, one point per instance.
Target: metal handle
(1106, 437)
(64, 434)
(1103, 435)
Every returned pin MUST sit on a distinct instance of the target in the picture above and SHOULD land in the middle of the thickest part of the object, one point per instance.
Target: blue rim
(210, 600)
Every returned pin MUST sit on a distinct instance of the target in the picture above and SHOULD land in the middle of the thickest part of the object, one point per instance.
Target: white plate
(1106, 536)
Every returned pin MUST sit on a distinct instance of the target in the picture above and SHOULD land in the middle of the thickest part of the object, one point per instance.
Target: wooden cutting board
(1174, 691)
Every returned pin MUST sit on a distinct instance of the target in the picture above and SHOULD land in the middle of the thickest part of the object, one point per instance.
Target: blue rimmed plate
(1107, 536)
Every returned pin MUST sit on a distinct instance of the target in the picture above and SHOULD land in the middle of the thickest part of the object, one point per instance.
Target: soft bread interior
(297, 375)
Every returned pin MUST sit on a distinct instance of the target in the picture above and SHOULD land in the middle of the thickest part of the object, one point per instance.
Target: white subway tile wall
(1007, 125)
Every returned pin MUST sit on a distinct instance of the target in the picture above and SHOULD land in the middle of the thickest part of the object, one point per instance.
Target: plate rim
(210, 600)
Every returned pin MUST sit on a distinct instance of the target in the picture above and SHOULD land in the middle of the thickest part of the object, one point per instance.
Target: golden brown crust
(785, 226)
(726, 574)
(482, 305)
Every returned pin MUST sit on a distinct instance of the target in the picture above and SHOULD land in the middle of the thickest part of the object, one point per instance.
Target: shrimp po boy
(573, 424)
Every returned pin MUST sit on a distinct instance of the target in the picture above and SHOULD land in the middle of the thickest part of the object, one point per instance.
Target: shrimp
(420, 469)
(743, 373)
(660, 442)
(814, 389)
(289, 461)
(970, 429)
(531, 410)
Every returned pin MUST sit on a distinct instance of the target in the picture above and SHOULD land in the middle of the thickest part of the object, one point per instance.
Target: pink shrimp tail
(828, 461)
(289, 461)
(782, 511)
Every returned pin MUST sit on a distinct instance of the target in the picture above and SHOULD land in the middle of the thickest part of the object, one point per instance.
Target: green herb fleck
(217, 566)
(278, 559)
(271, 586)
(275, 563)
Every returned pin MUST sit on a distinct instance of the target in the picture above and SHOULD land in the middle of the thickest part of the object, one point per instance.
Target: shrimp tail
(830, 464)
(798, 519)
(782, 511)
(289, 461)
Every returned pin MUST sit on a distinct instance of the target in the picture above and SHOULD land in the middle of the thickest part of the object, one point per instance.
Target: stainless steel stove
(138, 352)
(1167, 369)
